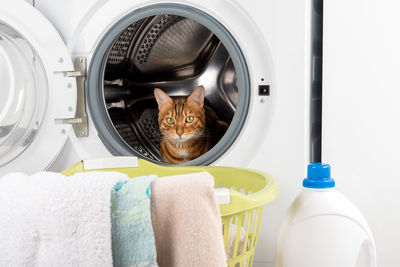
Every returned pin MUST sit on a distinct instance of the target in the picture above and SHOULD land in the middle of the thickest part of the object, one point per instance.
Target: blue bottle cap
(318, 176)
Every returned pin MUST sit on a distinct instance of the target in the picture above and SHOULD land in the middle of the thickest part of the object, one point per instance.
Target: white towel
(48, 219)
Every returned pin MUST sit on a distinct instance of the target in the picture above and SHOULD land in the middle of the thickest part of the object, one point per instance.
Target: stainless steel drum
(175, 54)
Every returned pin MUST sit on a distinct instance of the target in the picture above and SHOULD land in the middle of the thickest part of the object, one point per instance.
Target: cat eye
(189, 119)
(170, 120)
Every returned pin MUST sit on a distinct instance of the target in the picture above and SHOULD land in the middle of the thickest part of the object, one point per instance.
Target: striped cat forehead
(179, 104)
(181, 107)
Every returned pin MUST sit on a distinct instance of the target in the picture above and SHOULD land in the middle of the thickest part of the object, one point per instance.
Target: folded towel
(186, 221)
(132, 232)
(48, 219)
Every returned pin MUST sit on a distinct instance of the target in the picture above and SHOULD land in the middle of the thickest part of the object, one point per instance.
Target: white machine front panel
(66, 16)
(252, 42)
(361, 112)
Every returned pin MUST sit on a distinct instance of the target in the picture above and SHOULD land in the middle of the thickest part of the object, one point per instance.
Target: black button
(263, 90)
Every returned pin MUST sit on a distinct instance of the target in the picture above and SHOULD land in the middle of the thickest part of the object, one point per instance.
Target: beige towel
(187, 222)
(231, 243)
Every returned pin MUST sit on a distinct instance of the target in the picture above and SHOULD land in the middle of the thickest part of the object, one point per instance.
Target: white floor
(263, 264)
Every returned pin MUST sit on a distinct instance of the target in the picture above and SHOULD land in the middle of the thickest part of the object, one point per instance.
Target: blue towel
(132, 232)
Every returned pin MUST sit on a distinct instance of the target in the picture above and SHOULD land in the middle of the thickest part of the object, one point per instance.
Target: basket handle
(222, 195)
(110, 163)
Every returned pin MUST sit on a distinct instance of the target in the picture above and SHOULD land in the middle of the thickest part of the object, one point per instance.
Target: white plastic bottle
(322, 228)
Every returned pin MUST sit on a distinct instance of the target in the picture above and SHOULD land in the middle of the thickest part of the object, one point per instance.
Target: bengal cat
(188, 128)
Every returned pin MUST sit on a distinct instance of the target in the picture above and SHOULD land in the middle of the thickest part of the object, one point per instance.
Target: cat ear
(197, 96)
(162, 98)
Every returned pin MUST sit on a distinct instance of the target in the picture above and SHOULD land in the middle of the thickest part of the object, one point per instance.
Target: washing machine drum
(175, 54)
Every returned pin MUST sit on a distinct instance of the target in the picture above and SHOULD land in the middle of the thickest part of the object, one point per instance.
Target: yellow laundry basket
(249, 191)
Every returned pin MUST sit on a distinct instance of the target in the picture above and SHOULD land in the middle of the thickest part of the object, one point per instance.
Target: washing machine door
(37, 96)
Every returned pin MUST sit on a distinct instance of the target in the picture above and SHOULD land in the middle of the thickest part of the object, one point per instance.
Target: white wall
(361, 112)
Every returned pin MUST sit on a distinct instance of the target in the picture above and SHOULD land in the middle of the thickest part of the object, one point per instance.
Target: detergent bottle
(322, 228)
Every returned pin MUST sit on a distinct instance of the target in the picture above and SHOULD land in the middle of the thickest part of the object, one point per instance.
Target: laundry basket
(248, 192)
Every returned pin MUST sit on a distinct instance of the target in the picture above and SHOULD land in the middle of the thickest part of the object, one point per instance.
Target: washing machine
(360, 136)
(79, 79)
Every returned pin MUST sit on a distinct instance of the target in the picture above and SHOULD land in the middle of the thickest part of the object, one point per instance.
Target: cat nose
(179, 132)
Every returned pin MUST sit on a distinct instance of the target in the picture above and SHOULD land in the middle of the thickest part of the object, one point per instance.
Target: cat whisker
(203, 135)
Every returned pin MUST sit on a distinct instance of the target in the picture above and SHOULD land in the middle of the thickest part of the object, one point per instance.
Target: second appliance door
(36, 98)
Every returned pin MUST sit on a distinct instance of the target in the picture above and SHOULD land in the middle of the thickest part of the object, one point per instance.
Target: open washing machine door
(38, 92)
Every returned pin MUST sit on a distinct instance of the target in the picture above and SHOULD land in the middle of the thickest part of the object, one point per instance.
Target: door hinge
(80, 122)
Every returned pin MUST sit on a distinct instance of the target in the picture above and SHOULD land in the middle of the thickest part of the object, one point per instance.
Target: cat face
(182, 118)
